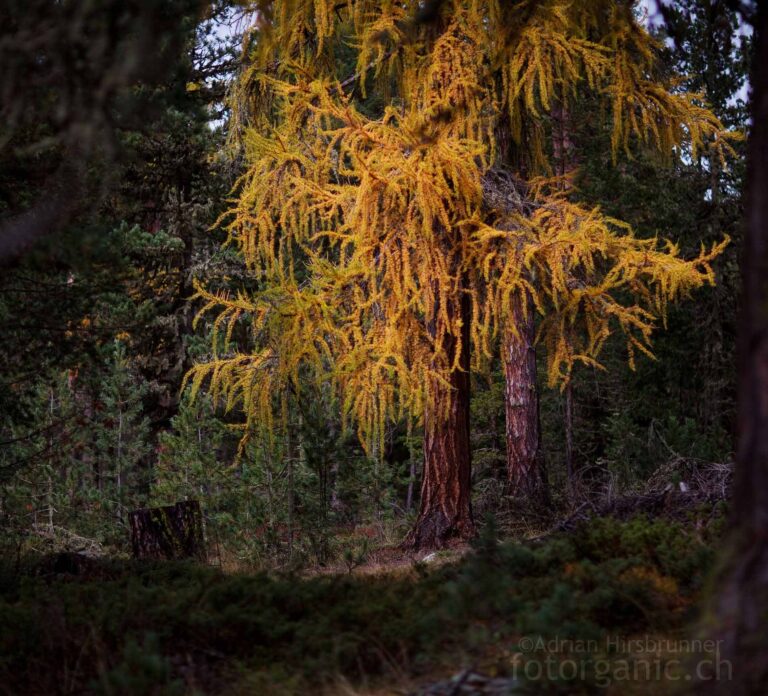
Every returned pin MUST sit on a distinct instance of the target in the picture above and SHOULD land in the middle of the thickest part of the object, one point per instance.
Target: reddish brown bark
(525, 466)
(446, 508)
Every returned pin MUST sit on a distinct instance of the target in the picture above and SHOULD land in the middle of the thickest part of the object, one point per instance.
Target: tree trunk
(568, 425)
(170, 532)
(526, 476)
(446, 507)
(411, 479)
(525, 466)
(742, 605)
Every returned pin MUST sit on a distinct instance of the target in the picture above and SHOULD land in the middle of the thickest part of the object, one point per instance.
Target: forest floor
(391, 559)
(550, 614)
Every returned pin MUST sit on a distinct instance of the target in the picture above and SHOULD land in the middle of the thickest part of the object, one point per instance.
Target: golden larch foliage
(363, 231)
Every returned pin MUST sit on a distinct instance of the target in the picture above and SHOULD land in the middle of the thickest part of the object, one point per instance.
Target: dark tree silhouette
(742, 605)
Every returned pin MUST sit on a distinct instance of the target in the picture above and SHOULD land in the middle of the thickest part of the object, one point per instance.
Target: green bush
(138, 627)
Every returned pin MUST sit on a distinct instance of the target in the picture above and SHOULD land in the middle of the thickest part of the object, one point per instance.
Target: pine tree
(390, 250)
(121, 438)
(84, 464)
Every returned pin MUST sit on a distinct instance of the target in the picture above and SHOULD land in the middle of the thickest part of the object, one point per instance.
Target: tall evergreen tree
(120, 267)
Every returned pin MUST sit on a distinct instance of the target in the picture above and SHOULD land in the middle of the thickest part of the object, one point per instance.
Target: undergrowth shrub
(149, 628)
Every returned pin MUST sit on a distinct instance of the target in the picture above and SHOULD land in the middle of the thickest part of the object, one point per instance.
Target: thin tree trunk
(568, 422)
(563, 155)
(525, 466)
(290, 507)
(50, 476)
(51, 528)
(446, 507)
(119, 463)
(290, 447)
(409, 493)
(743, 585)
(375, 455)
(411, 470)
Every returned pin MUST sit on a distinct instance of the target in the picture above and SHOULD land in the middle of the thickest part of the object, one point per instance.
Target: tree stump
(169, 532)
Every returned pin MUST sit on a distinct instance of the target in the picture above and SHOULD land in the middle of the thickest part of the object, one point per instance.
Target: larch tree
(396, 250)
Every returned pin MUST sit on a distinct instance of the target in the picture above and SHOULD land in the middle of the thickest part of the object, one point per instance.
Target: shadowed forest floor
(394, 624)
